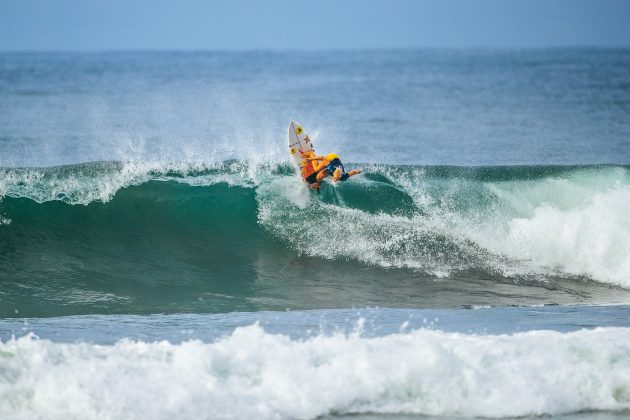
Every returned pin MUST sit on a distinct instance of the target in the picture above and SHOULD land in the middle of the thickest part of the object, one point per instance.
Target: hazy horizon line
(312, 50)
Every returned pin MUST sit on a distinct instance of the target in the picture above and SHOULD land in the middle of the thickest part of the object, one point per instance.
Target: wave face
(244, 375)
(237, 236)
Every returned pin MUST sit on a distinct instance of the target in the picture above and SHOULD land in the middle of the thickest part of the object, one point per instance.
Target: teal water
(159, 258)
(221, 240)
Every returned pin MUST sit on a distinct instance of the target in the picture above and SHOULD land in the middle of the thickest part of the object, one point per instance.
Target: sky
(67, 25)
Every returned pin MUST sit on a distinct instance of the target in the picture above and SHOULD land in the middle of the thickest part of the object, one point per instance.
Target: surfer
(329, 165)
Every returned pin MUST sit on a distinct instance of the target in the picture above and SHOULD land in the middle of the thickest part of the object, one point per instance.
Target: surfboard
(300, 147)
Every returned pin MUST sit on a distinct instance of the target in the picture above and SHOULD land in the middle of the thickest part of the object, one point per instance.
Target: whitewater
(245, 375)
(308, 364)
(159, 257)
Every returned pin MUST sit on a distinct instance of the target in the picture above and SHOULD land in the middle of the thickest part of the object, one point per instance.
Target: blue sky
(315, 24)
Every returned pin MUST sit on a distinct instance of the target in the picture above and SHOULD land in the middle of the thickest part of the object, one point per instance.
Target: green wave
(111, 237)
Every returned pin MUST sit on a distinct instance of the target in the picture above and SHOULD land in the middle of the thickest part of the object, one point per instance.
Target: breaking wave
(112, 224)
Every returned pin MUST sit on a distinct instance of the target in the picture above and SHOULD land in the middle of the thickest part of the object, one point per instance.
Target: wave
(245, 375)
(98, 231)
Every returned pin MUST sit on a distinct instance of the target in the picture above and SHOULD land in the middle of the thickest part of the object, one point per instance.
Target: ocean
(159, 258)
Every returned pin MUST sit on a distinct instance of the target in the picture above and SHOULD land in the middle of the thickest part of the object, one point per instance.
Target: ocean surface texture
(160, 259)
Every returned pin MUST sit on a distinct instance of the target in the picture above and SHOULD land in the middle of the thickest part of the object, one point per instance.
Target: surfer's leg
(321, 175)
(318, 165)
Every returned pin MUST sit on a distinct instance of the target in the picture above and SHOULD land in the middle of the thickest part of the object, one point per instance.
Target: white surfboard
(299, 145)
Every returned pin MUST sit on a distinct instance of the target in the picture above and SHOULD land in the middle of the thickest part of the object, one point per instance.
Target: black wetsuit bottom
(312, 178)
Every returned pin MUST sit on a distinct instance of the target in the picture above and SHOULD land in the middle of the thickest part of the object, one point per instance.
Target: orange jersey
(307, 169)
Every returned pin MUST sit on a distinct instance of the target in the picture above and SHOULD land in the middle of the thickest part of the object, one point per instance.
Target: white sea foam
(574, 225)
(592, 239)
(79, 185)
(335, 231)
(577, 225)
(99, 181)
(254, 374)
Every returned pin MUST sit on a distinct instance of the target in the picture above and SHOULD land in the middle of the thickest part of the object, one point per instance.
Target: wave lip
(245, 375)
(100, 181)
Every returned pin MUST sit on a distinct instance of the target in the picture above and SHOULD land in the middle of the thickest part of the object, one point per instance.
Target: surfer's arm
(354, 172)
(315, 158)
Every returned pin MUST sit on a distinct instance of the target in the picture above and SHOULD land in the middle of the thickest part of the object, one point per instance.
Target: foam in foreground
(254, 374)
